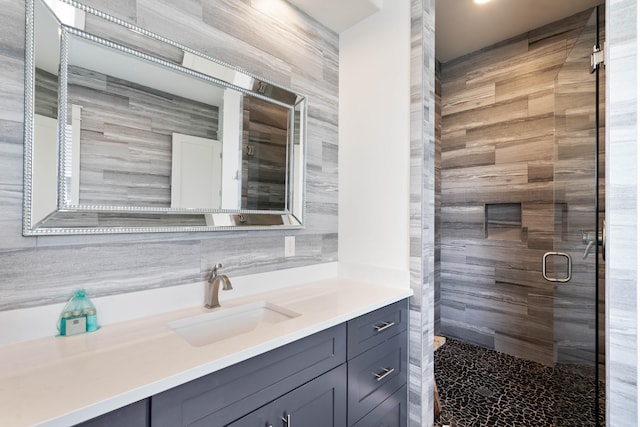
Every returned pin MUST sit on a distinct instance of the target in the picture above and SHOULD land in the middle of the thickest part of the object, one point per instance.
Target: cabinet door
(390, 413)
(134, 415)
(319, 403)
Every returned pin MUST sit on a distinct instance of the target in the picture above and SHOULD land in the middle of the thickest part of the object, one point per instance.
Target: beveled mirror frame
(107, 219)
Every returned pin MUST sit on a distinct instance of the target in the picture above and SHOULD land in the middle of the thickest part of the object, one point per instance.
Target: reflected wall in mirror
(126, 131)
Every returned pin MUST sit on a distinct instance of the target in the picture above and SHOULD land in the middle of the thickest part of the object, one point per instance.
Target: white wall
(374, 139)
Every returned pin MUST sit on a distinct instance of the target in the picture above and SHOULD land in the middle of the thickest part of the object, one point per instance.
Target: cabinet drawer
(390, 413)
(224, 396)
(319, 403)
(375, 375)
(373, 328)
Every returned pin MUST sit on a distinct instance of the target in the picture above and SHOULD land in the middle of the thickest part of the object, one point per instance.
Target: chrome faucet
(213, 287)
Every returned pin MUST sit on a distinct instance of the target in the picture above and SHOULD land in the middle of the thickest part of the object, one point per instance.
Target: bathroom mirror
(127, 131)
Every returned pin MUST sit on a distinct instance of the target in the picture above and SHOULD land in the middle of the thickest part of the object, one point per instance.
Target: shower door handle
(544, 267)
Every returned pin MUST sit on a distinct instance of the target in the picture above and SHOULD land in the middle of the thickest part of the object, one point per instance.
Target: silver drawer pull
(385, 325)
(287, 420)
(385, 373)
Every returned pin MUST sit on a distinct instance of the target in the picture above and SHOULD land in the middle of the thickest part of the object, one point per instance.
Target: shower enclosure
(578, 279)
(522, 205)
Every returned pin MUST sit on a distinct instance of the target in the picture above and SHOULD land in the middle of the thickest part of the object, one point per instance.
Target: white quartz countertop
(60, 381)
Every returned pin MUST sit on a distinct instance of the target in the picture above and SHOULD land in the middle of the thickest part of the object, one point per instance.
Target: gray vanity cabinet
(377, 367)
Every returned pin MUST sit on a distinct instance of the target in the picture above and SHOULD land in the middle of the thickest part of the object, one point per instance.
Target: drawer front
(373, 328)
(319, 403)
(390, 413)
(221, 397)
(375, 375)
(134, 415)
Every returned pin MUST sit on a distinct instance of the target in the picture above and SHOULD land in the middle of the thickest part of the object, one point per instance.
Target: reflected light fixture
(481, 1)
(268, 7)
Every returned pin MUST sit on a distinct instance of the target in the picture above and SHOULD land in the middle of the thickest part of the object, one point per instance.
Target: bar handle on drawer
(287, 420)
(385, 373)
(384, 326)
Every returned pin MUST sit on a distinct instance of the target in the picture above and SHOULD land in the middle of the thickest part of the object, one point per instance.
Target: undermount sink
(226, 323)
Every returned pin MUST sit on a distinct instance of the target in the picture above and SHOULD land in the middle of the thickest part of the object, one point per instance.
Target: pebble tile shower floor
(481, 387)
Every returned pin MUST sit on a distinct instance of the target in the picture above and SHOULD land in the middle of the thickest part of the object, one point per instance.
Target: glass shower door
(574, 261)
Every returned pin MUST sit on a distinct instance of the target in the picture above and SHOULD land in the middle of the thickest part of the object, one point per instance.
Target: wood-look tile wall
(498, 120)
(290, 49)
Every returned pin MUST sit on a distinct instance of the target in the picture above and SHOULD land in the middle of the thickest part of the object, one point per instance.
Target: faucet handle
(213, 273)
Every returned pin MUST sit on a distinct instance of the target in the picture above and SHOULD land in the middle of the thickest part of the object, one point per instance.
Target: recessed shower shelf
(503, 221)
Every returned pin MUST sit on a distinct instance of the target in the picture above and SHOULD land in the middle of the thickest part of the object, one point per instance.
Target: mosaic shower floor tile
(482, 387)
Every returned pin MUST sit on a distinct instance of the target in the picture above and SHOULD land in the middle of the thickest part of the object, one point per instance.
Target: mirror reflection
(123, 139)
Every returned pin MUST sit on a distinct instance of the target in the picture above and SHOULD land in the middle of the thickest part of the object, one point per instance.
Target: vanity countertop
(60, 381)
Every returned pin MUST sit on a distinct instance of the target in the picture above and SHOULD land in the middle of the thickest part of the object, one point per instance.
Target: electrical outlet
(289, 246)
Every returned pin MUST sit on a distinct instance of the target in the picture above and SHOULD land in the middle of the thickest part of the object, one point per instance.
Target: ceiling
(461, 25)
(339, 14)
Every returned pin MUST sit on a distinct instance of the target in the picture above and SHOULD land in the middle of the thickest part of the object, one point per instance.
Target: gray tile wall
(622, 211)
(290, 49)
(422, 207)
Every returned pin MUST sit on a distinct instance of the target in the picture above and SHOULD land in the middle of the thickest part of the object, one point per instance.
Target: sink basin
(226, 323)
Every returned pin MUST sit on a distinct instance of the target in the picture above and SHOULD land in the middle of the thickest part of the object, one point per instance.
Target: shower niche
(503, 221)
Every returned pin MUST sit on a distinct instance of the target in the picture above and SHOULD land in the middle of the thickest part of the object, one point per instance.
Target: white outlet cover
(289, 246)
